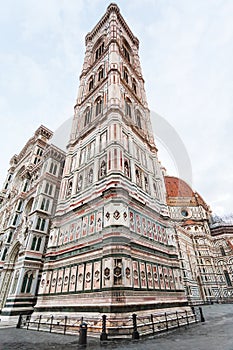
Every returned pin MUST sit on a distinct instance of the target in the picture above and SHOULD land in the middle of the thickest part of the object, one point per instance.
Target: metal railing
(106, 327)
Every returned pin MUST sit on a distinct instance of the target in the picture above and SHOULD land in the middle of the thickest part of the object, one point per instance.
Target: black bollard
(201, 315)
(103, 335)
(83, 334)
(19, 321)
(135, 334)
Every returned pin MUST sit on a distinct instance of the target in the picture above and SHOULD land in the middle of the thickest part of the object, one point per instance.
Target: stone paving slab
(214, 334)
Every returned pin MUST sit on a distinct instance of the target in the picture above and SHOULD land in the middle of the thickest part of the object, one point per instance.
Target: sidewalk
(214, 334)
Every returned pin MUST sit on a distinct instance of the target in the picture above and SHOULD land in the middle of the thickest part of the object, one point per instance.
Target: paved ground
(215, 334)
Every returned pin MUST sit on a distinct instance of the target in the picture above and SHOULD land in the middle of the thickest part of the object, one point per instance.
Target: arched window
(40, 225)
(91, 84)
(100, 73)
(138, 120)
(126, 75)
(126, 53)
(128, 107)
(134, 85)
(138, 177)
(53, 168)
(87, 116)
(27, 282)
(98, 106)
(24, 284)
(38, 244)
(99, 51)
(48, 188)
(33, 243)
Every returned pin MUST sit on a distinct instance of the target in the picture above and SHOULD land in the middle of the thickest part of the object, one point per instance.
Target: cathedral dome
(179, 193)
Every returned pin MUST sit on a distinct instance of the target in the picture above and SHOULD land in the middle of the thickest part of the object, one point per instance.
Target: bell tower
(111, 246)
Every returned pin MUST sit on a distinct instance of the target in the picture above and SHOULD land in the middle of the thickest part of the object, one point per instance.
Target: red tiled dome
(179, 193)
(177, 188)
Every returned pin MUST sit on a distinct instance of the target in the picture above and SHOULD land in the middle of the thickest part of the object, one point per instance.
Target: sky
(186, 53)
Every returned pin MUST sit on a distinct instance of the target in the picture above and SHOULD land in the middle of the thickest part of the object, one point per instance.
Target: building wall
(28, 201)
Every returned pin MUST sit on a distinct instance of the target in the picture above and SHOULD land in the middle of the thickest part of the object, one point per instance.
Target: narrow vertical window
(98, 106)
(128, 108)
(126, 75)
(100, 73)
(91, 84)
(87, 116)
(138, 120)
(134, 86)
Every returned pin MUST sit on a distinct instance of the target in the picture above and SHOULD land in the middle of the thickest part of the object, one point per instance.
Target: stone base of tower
(18, 306)
(110, 302)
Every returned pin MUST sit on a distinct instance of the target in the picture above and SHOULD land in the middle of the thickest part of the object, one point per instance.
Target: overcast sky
(186, 51)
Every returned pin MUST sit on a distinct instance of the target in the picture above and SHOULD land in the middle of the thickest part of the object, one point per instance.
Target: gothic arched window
(38, 244)
(91, 83)
(138, 120)
(87, 116)
(128, 107)
(27, 282)
(126, 53)
(99, 51)
(98, 106)
(126, 75)
(138, 177)
(100, 73)
(134, 85)
(33, 243)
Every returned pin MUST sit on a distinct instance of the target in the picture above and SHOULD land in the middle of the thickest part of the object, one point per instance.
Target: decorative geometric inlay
(107, 273)
(116, 215)
(88, 277)
(125, 215)
(117, 271)
(97, 275)
(72, 280)
(107, 215)
(135, 274)
(80, 278)
(143, 275)
(127, 272)
(149, 275)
